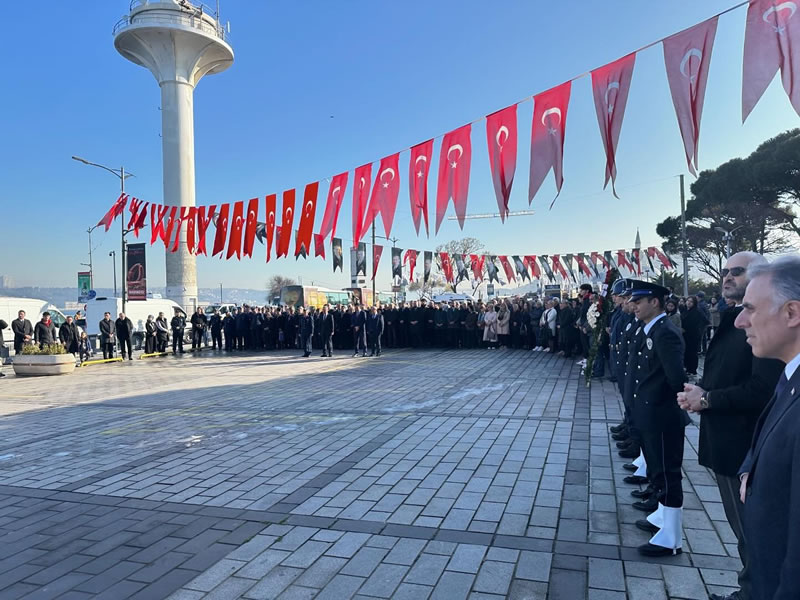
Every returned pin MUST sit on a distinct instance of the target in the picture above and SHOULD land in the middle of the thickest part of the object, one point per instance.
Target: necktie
(783, 383)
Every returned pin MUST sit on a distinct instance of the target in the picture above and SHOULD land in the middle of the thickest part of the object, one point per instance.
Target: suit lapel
(781, 406)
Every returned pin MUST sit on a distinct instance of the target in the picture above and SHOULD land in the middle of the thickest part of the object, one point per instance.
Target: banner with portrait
(136, 277)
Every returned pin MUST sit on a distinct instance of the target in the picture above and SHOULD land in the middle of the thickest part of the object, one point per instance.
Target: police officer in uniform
(178, 324)
(306, 331)
(657, 379)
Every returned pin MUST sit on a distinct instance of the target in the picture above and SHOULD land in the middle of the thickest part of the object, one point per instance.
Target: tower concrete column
(179, 42)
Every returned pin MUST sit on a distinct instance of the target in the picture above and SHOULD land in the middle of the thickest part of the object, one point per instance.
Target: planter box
(47, 364)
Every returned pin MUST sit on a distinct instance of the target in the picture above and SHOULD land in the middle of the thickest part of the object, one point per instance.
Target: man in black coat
(229, 326)
(658, 378)
(108, 336)
(23, 331)
(215, 323)
(327, 328)
(44, 333)
(374, 325)
(306, 330)
(358, 322)
(770, 473)
(124, 328)
(199, 322)
(733, 392)
(178, 324)
(68, 335)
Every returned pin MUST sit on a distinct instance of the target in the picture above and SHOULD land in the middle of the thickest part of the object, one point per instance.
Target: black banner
(427, 261)
(491, 269)
(361, 260)
(136, 277)
(338, 260)
(397, 263)
(522, 272)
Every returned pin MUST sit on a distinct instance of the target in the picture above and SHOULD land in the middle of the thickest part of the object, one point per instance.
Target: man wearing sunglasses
(734, 390)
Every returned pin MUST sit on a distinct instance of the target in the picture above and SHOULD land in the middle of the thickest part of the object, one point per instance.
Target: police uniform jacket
(630, 346)
(306, 325)
(658, 377)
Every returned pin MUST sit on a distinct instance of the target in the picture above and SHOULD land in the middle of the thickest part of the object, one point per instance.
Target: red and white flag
(332, 205)
(221, 224)
(557, 266)
(134, 207)
(306, 228)
(536, 272)
(771, 42)
(157, 214)
(581, 260)
(622, 261)
(269, 226)
(610, 86)
(501, 136)
(282, 245)
(455, 156)
(687, 56)
(319, 245)
(509, 270)
(182, 218)
(171, 219)
(115, 211)
(376, 258)
(476, 265)
(384, 194)
(204, 218)
(654, 252)
(237, 225)
(419, 166)
(411, 258)
(360, 199)
(251, 224)
(547, 138)
(447, 266)
(191, 229)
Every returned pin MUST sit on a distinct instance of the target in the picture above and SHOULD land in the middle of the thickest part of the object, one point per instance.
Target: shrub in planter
(50, 359)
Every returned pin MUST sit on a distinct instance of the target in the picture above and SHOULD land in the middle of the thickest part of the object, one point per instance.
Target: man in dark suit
(215, 323)
(358, 321)
(327, 328)
(770, 473)
(108, 336)
(199, 322)
(124, 329)
(306, 331)
(178, 324)
(658, 377)
(23, 331)
(374, 331)
(733, 392)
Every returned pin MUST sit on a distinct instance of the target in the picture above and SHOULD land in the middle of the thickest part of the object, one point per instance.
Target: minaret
(179, 42)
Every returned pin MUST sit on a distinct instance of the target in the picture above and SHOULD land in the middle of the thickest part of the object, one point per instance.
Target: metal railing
(194, 20)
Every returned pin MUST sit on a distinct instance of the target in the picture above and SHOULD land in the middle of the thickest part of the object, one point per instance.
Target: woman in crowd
(150, 333)
(715, 316)
(671, 308)
(490, 327)
(503, 328)
(548, 327)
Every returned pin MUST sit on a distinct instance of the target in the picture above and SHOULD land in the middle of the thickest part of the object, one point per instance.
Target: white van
(33, 307)
(135, 310)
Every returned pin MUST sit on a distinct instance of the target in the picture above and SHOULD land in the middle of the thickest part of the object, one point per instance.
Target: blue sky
(321, 87)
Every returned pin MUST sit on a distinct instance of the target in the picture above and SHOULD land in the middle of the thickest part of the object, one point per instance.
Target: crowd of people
(749, 414)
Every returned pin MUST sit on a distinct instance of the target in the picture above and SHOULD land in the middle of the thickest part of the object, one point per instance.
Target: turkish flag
(581, 260)
(637, 261)
(771, 42)
(447, 267)
(271, 210)
(622, 261)
(113, 212)
(361, 181)
(419, 165)
(221, 223)
(507, 268)
(476, 264)
(376, 258)
(501, 135)
(282, 245)
(547, 138)
(533, 266)
(251, 224)
(134, 206)
(157, 214)
(455, 157)
(173, 212)
(332, 205)
(191, 228)
(203, 222)
(687, 56)
(306, 227)
(319, 245)
(237, 225)
(384, 194)
(558, 267)
(653, 251)
(610, 86)
(182, 217)
(411, 258)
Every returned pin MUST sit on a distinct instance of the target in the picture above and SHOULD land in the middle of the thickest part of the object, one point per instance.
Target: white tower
(179, 42)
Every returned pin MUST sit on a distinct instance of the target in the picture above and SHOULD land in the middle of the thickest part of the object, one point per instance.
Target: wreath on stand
(597, 318)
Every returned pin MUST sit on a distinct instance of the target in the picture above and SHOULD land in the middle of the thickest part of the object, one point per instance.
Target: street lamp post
(727, 236)
(89, 264)
(122, 175)
(113, 256)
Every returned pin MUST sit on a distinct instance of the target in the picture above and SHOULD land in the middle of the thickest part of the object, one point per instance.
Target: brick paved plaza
(444, 475)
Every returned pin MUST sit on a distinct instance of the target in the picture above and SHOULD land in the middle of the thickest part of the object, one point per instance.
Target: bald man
(735, 388)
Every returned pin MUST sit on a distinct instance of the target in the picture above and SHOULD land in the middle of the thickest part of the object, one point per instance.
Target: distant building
(6, 281)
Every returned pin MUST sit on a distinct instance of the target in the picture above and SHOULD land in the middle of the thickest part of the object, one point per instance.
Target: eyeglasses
(735, 271)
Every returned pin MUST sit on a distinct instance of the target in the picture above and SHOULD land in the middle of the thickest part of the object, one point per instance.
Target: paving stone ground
(422, 474)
